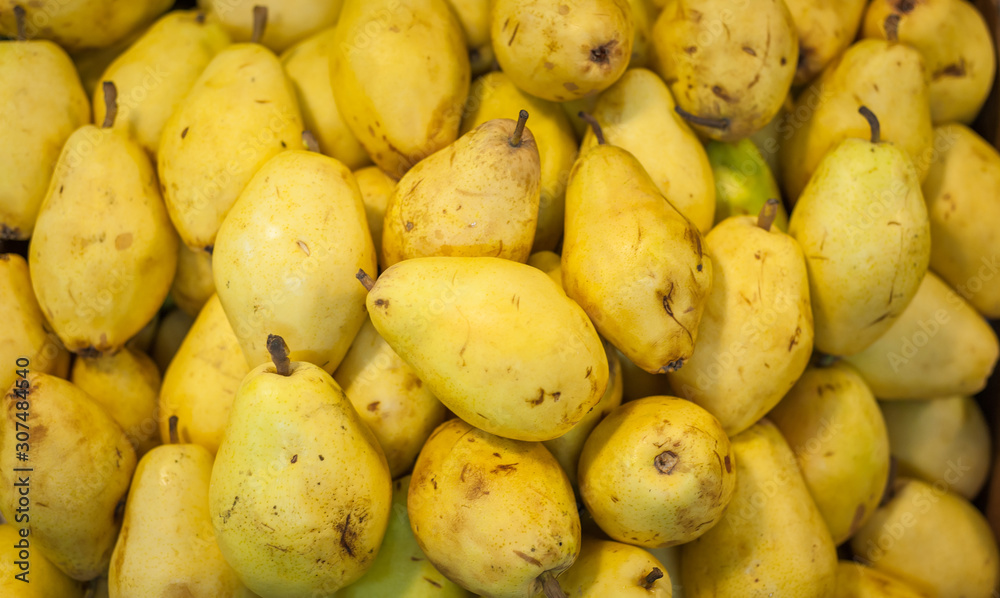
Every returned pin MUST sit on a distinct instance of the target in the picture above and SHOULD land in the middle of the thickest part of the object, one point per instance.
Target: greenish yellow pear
(633, 261)
(956, 43)
(943, 439)
(562, 50)
(307, 64)
(170, 334)
(376, 187)
(80, 464)
(863, 227)
(477, 197)
(474, 15)
(103, 253)
(743, 181)
(825, 29)
(34, 577)
(494, 95)
(551, 263)
(855, 580)
(496, 341)
(940, 346)
(727, 86)
(167, 545)
(383, 46)
(43, 104)
(300, 493)
(82, 24)
(835, 428)
(606, 568)
(389, 397)
(933, 540)
(657, 471)
(772, 540)
(496, 516)
(888, 78)
(200, 384)
(401, 568)
(193, 283)
(756, 335)
(637, 114)
(288, 21)
(156, 72)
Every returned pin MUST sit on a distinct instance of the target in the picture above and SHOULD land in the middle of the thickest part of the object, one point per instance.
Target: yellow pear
(637, 114)
(376, 187)
(81, 24)
(65, 471)
(573, 108)
(383, 46)
(477, 197)
(288, 21)
(103, 253)
(606, 569)
(156, 72)
(170, 334)
(28, 574)
(551, 263)
(940, 346)
(455, 319)
(643, 18)
(825, 29)
(143, 340)
(670, 557)
(285, 259)
(638, 383)
(469, 509)
(92, 63)
(855, 580)
(193, 283)
(474, 16)
(494, 95)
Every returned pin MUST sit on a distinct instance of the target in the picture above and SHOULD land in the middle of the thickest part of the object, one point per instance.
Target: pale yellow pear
(855, 580)
(285, 259)
(835, 428)
(384, 46)
(825, 29)
(288, 21)
(772, 540)
(605, 568)
(156, 72)
(494, 95)
(34, 577)
(940, 346)
(469, 509)
(474, 15)
(637, 114)
(551, 263)
(496, 341)
(81, 464)
(389, 397)
(376, 187)
(477, 197)
(193, 283)
(81, 24)
(170, 334)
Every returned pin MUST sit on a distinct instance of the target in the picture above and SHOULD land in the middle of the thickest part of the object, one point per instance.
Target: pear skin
(193, 283)
(855, 580)
(79, 26)
(607, 568)
(474, 15)
(643, 18)
(549, 262)
(825, 29)
(170, 334)
(743, 181)
(44, 579)
(288, 21)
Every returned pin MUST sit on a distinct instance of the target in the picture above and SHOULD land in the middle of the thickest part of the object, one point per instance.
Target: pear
(743, 181)
(389, 397)
(288, 20)
(300, 491)
(201, 382)
(127, 385)
(150, 87)
(92, 63)
(34, 578)
(637, 114)
(474, 15)
(960, 191)
(944, 439)
(477, 197)
(285, 256)
(399, 130)
(935, 541)
(826, 112)
(940, 346)
(25, 339)
(169, 335)
(670, 557)
(401, 568)
(573, 108)
(103, 253)
(727, 86)
(559, 50)
(494, 95)
(241, 112)
(43, 104)
(77, 469)
(166, 523)
(551, 263)
(643, 18)
(756, 335)
(632, 260)
(957, 46)
(467, 506)
(193, 283)
(769, 139)
(81, 24)
(607, 568)
(772, 540)
(855, 580)
(496, 341)
(637, 383)
(862, 225)
(657, 472)
(825, 29)
(833, 424)
(143, 340)
(308, 68)
(376, 187)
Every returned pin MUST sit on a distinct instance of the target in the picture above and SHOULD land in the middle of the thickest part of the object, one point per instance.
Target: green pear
(855, 580)
(75, 474)
(289, 21)
(743, 181)
(300, 491)
(376, 188)
(81, 24)
(825, 29)
(607, 568)
(34, 578)
(474, 15)
(193, 283)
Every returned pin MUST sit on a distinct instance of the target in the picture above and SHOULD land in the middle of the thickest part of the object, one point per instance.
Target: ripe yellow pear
(474, 15)
(170, 334)
(551, 263)
(643, 18)
(607, 568)
(383, 46)
(638, 383)
(81, 24)
(193, 283)
(376, 187)
(34, 576)
(469, 509)
(288, 21)
(825, 29)
(855, 580)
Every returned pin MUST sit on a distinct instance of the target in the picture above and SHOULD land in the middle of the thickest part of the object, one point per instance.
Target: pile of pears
(453, 298)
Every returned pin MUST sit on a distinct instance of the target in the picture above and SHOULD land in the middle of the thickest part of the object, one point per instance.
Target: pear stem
(596, 126)
(310, 140)
(172, 423)
(703, 121)
(891, 26)
(551, 587)
(110, 104)
(259, 23)
(365, 280)
(650, 579)
(279, 354)
(768, 212)
(19, 17)
(872, 122)
(515, 139)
